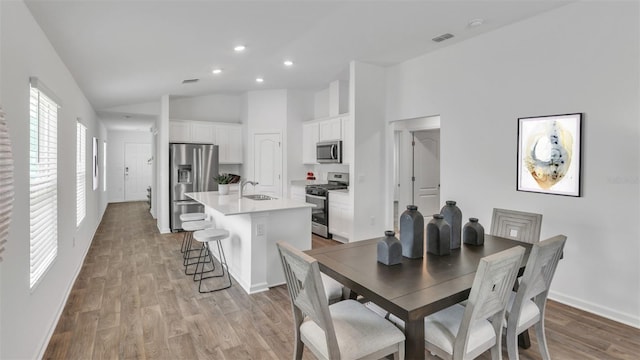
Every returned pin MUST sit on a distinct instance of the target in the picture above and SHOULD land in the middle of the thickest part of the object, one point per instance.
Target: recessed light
(217, 71)
(239, 48)
(259, 80)
(288, 63)
(476, 22)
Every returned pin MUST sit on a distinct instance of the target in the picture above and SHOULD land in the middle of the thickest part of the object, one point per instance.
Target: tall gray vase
(438, 236)
(453, 216)
(412, 233)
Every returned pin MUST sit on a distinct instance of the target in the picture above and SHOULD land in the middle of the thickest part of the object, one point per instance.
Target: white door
(267, 163)
(137, 171)
(427, 171)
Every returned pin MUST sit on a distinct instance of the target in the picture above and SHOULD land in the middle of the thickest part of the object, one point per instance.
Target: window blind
(43, 196)
(81, 172)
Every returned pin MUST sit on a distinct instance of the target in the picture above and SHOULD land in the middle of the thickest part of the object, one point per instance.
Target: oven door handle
(317, 197)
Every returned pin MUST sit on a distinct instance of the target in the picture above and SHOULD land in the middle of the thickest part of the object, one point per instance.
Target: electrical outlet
(260, 230)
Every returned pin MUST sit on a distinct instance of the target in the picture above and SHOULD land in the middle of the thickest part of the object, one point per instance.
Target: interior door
(426, 168)
(137, 171)
(267, 163)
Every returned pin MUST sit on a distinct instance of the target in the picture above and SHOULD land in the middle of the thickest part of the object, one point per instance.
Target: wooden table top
(416, 287)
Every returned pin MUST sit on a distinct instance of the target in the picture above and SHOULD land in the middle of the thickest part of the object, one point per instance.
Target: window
(43, 178)
(81, 172)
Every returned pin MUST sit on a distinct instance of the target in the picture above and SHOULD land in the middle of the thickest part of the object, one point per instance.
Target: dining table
(414, 288)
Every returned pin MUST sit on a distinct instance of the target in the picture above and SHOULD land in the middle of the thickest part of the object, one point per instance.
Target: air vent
(442, 37)
(190, 81)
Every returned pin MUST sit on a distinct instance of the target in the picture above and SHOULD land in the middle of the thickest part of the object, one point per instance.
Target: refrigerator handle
(194, 169)
(200, 169)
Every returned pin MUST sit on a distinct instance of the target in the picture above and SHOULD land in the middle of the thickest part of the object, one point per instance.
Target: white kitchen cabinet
(179, 131)
(310, 137)
(203, 132)
(340, 215)
(229, 141)
(348, 140)
(227, 136)
(330, 129)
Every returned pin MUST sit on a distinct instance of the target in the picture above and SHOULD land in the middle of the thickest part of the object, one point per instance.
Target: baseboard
(43, 348)
(163, 230)
(611, 314)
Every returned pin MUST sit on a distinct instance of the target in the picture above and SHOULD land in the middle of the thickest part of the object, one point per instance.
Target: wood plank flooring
(132, 301)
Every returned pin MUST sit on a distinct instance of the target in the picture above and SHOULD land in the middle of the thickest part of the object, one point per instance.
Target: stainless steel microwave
(329, 152)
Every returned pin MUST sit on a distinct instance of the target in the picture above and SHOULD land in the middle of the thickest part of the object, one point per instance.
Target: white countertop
(232, 205)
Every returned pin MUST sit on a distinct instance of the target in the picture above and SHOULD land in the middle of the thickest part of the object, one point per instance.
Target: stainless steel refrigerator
(192, 167)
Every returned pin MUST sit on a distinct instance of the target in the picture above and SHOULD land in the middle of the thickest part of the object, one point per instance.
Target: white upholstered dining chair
(516, 225)
(526, 308)
(344, 330)
(460, 332)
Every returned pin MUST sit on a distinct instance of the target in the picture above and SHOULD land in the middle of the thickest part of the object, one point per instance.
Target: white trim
(611, 314)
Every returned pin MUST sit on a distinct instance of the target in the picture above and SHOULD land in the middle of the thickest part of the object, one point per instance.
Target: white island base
(255, 226)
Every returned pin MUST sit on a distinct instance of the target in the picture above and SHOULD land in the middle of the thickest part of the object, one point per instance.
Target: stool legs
(199, 276)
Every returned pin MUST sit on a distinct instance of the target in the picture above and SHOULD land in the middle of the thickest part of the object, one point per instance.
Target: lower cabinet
(340, 215)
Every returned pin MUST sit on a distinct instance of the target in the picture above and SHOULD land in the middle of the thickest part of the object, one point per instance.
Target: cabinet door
(179, 131)
(229, 141)
(348, 142)
(330, 129)
(202, 132)
(309, 140)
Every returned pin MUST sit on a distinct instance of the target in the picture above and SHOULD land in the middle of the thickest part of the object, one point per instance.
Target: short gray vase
(438, 236)
(412, 233)
(473, 233)
(389, 249)
(453, 215)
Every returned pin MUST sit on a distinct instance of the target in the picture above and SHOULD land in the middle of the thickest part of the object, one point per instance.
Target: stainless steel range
(318, 194)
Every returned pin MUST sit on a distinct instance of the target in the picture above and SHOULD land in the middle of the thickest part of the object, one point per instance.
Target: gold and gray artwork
(548, 153)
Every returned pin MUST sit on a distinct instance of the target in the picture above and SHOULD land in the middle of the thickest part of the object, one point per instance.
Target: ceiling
(128, 52)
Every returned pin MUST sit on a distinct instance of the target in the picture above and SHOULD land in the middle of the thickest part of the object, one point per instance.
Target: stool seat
(210, 235)
(196, 225)
(192, 216)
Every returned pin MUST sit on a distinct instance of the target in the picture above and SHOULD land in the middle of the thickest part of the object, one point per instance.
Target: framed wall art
(549, 154)
(95, 164)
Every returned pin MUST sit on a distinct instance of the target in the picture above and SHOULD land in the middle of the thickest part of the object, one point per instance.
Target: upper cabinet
(338, 128)
(227, 136)
(330, 129)
(229, 141)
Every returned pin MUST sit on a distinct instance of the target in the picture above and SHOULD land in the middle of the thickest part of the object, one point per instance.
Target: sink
(259, 197)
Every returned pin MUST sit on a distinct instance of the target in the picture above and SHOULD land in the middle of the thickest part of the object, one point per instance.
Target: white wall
(321, 101)
(28, 317)
(222, 108)
(300, 107)
(115, 158)
(583, 57)
(367, 174)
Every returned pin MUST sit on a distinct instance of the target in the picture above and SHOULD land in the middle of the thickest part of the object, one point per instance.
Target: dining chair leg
(542, 340)
(512, 345)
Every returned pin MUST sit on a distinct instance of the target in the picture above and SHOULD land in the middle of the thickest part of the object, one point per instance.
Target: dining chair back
(527, 306)
(460, 332)
(516, 225)
(348, 330)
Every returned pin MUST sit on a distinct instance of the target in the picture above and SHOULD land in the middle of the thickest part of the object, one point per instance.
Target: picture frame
(550, 154)
(96, 178)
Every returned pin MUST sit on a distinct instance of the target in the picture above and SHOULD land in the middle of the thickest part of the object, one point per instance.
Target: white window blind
(81, 172)
(43, 196)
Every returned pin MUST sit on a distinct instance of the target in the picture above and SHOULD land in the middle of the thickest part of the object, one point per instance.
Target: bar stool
(206, 237)
(189, 217)
(189, 227)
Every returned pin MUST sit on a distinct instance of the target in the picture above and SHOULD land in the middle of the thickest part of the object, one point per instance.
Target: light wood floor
(132, 301)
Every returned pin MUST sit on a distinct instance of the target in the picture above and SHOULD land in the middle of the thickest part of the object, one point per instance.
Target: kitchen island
(255, 226)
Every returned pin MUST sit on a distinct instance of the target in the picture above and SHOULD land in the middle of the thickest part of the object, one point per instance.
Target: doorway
(416, 166)
(267, 163)
(137, 171)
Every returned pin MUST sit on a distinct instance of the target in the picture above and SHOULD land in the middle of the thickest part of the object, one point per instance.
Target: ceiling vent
(442, 37)
(190, 81)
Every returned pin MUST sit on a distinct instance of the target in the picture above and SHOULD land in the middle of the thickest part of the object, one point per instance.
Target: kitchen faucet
(244, 183)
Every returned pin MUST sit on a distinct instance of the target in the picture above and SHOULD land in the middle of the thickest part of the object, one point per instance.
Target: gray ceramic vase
(453, 216)
(438, 236)
(389, 249)
(473, 233)
(412, 233)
